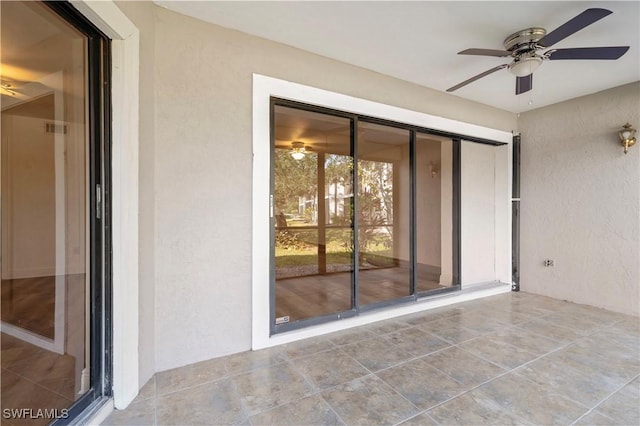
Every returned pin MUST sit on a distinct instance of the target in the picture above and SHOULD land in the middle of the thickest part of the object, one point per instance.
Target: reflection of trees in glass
(338, 176)
(293, 179)
(375, 205)
(298, 178)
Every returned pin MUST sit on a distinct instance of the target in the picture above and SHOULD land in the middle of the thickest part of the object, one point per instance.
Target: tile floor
(514, 358)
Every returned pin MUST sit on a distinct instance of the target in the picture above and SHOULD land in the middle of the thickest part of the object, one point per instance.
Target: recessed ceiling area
(419, 41)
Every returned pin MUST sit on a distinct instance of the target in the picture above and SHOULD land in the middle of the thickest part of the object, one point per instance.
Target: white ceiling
(417, 41)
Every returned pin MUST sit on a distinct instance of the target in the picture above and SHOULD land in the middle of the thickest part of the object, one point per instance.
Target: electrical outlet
(548, 263)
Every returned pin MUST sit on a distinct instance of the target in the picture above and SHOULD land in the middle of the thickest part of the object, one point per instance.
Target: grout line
(595, 407)
(155, 400)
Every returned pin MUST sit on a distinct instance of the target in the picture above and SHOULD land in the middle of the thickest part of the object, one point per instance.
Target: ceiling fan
(524, 47)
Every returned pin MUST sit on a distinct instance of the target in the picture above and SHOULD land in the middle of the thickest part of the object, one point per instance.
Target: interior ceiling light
(298, 150)
(7, 89)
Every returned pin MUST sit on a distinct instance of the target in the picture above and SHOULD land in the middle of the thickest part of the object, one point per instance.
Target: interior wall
(580, 198)
(28, 198)
(202, 168)
(143, 15)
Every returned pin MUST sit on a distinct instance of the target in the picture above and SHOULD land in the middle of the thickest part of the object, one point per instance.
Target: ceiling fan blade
(477, 77)
(589, 53)
(485, 52)
(574, 25)
(524, 84)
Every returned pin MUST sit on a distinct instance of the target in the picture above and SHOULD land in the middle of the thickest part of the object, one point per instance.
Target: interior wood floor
(34, 378)
(29, 303)
(316, 295)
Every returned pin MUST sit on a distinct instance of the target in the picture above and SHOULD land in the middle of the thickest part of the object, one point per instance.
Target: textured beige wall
(200, 140)
(580, 201)
(478, 211)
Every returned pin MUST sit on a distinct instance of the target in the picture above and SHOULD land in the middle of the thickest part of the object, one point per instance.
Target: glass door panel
(313, 219)
(44, 174)
(384, 212)
(434, 203)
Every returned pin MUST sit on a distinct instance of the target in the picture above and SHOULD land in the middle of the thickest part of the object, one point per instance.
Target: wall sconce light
(433, 169)
(627, 136)
(297, 150)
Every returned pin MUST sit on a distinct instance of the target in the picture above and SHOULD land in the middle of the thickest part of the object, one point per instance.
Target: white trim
(124, 173)
(263, 88)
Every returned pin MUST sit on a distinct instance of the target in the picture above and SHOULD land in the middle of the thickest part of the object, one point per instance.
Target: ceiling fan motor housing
(524, 40)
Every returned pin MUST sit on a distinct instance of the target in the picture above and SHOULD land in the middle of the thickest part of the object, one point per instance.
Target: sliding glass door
(54, 110)
(434, 213)
(312, 215)
(383, 211)
(362, 214)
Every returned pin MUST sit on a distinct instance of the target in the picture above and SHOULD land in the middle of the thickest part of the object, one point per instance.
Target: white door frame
(124, 196)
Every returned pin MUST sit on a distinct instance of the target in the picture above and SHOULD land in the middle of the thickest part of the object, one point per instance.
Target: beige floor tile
(308, 347)
(450, 331)
(212, 403)
(250, 360)
(503, 354)
(571, 380)
(138, 413)
(614, 364)
(472, 409)
(190, 375)
(464, 367)
(269, 387)
(148, 390)
(423, 419)
(421, 383)
(594, 418)
(328, 369)
(416, 341)
(376, 354)
(350, 336)
(624, 405)
(551, 330)
(527, 340)
(312, 410)
(388, 326)
(369, 401)
(529, 401)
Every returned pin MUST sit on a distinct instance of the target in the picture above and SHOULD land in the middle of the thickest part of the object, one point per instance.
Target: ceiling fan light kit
(298, 150)
(525, 65)
(524, 46)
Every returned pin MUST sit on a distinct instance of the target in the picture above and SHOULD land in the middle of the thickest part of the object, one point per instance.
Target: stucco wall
(580, 201)
(201, 173)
